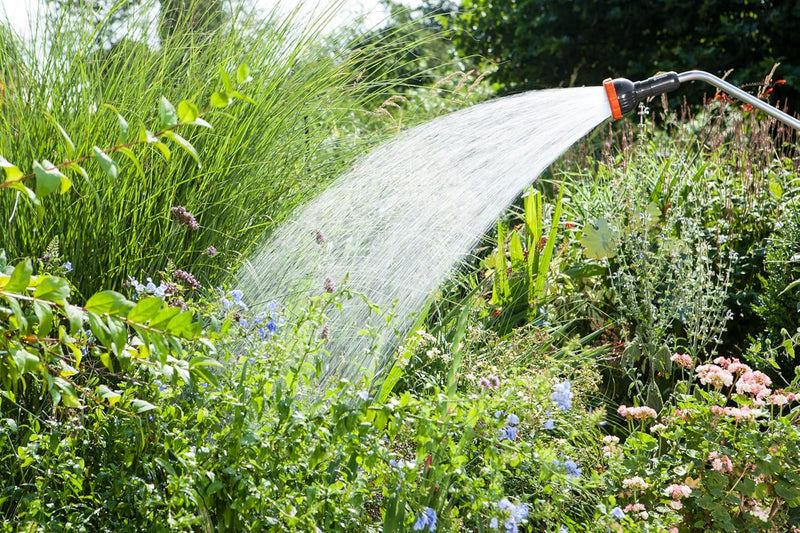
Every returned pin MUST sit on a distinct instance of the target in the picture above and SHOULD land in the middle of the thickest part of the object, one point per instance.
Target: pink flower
(636, 413)
(738, 368)
(720, 464)
(683, 359)
(673, 530)
(723, 361)
(715, 376)
(755, 383)
(740, 413)
(676, 492)
(635, 483)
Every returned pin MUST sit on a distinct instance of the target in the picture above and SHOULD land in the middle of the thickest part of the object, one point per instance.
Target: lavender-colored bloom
(617, 513)
(426, 519)
(563, 395)
(161, 386)
(67, 266)
(184, 217)
(363, 395)
(210, 251)
(325, 334)
(329, 285)
(493, 523)
(549, 424)
(512, 419)
(187, 278)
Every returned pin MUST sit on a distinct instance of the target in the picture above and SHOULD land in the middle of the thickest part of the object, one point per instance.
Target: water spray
(624, 95)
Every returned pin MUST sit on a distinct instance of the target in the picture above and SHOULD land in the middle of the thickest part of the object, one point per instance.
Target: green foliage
(779, 303)
(537, 44)
(259, 161)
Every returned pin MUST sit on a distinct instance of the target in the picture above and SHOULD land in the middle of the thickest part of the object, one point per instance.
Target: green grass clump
(259, 160)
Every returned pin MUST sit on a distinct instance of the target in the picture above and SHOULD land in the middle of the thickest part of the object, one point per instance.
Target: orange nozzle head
(611, 92)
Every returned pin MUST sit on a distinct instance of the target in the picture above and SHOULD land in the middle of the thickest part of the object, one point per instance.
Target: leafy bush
(779, 303)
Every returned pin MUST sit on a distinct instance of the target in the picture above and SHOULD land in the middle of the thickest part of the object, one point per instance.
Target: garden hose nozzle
(624, 95)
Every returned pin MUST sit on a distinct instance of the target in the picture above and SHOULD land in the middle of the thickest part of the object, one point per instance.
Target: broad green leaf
(135, 160)
(45, 317)
(19, 316)
(200, 122)
(186, 145)
(598, 240)
(119, 336)
(164, 149)
(123, 124)
(187, 112)
(220, 99)
(167, 114)
(243, 74)
(226, 80)
(516, 254)
(141, 406)
(240, 96)
(202, 360)
(12, 172)
(100, 331)
(65, 369)
(68, 396)
(146, 136)
(75, 316)
(20, 278)
(25, 361)
(68, 144)
(775, 189)
(111, 396)
(49, 179)
(110, 302)
(164, 316)
(182, 326)
(146, 309)
(52, 289)
(787, 491)
(108, 165)
(29, 195)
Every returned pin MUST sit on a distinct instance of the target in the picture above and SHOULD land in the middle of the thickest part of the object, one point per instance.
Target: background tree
(546, 43)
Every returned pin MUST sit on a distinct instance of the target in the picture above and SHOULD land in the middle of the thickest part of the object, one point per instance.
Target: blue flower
(573, 471)
(549, 424)
(160, 291)
(507, 432)
(67, 266)
(161, 386)
(617, 513)
(563, 395)
(237, 296)
(426, 519)
(513, 420)
(512, 515)
(363, 394)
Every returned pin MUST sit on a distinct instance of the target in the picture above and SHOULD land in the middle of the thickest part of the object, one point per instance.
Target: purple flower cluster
(187, 279)
(426, 519)
(509, 431)
(210, 251)
(184, 217)
(329, 285)
(512, 516)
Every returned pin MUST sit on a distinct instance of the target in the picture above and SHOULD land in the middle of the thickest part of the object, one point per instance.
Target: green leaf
(220, 99)
(516, 254)
(68, 144)
(45, 316)
(200, 122)
(108, 165)
(135, 160)
(20, 278)
(187, 112)
(243, 74)
(110, 302)
(119, 336)
(141, 406)
(787, 491)
(226, 80)
(186, 145)
(146, 309)
(200, 366)
(164, 316)
(240, 96)
(52, 289)
(164, 149)
(123, 124)
(75, 316)
(25, 361)
(598, 240)
(182, 326)
(146, 136)
(12, 172)
(100, 331)
(167, 114)
(775, 189)
(111, 396)
(49, 179)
